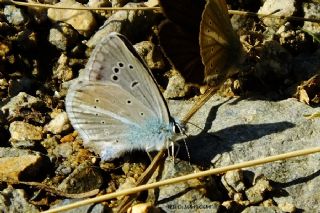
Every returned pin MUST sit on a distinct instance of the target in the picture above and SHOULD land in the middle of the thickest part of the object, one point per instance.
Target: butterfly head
(178, 127)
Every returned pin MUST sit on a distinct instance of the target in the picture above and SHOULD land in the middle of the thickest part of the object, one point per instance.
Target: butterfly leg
(149, 155)
(150, 149)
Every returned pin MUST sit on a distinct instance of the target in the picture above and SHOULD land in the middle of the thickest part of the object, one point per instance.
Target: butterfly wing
(185, 13)
(115, 60)
(116, 106)
(179, 37)
(220, 47)
(182, 50)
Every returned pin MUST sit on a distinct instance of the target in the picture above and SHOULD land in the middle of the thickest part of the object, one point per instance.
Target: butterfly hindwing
(179, 35)
(185, 13)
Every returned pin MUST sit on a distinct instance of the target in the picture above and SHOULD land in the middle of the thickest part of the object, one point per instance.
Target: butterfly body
(116, 105)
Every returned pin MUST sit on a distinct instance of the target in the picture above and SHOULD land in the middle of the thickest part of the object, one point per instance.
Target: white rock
(58, 124)
(20, 130)
(82, 20)
(286, 8)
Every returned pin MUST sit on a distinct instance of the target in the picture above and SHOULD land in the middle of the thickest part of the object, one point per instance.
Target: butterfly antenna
(172, 150)
(187, 150)
(195, 125)
(149, 155)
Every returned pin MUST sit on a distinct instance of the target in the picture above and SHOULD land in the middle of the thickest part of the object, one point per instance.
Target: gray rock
(285, 204)
(275, 65)
(151, 54)
(63, 71)
(119, 3)
(90, 208)
(50, 144)
(64, 150)
(63, 36)
(177, 87)
(311, 10)
(238, 130)
(15, 16)
(233, 182)
(186, 196)
(255, 194)
(18, 102)
(15, 200)
(18, 164)
(260, 209)
(125, 22)
(293, 39)
(309, 63)
(83, 179)
(286, 7)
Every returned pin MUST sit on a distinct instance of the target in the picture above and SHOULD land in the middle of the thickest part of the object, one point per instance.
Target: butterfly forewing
(111, 61)
(220, 46)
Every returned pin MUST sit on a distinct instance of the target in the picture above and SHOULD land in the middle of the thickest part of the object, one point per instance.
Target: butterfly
(199, 40)
(179, 37)
(116, 105)
(220, 47)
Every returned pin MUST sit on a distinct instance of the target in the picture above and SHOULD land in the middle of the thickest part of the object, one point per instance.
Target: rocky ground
(258, 113)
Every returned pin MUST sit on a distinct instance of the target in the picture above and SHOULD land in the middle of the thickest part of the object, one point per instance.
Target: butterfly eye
(120, 64)
(176, 129)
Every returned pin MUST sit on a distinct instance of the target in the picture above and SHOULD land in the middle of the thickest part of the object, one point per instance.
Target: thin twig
(53, 190)
(294, 18)
(127, 201)
(27, 4)
(186, 177)
(199, 103)
(234, 12)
